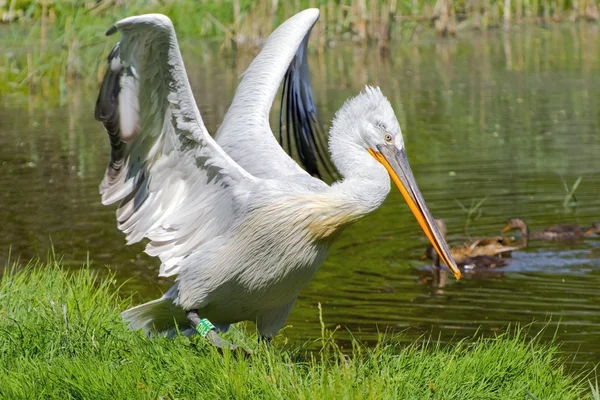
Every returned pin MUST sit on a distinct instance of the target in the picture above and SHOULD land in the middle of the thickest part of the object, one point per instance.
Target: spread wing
(298, 116)
(246, 134)
(175, 185)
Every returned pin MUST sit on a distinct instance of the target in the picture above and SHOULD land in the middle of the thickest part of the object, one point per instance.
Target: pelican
(239, 222)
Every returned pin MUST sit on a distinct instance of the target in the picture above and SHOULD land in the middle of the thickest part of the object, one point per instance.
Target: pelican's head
(367, 123)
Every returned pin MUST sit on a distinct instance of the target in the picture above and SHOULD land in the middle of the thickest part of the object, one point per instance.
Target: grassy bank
(61, 337)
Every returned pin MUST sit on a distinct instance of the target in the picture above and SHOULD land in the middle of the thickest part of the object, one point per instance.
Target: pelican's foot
(214, 338)
(209, 332)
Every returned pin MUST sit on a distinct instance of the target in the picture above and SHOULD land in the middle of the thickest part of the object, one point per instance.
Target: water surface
(509, 119)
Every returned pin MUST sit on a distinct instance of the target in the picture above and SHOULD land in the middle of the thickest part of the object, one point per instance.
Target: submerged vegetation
(53, 43)
(61, 337)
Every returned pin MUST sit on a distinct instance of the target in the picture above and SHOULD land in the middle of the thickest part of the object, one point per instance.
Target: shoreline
(61, 336)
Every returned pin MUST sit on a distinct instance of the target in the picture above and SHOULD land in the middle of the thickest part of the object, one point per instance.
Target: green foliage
(595, 390)
(62, 41)
(473, 213)
(61, 337)
(570, 200)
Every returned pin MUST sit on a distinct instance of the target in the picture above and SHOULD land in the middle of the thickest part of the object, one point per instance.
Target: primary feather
(175, 185)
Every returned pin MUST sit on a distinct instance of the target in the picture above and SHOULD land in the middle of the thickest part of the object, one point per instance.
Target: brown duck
(555, 232)
(594, 229)
(478, 253)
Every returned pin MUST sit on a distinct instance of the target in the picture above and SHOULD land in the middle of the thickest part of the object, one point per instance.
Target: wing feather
(304, 123)
(175, 185)
(245, 133)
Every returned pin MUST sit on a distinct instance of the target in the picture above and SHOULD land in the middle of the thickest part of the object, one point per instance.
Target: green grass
(61, 337)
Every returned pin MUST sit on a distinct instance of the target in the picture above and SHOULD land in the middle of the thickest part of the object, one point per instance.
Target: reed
(60, 41)
(61, 337)
(247, 22)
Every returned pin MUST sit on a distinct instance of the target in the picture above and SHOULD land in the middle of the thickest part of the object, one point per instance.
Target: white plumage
(240, 223)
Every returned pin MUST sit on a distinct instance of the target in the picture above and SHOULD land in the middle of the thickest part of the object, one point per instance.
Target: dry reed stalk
(44, 26)
(316, 32)
(534, 9)
(443, 13)
(229, 36)
(10, 15)
(360, 19)
(506, 14)
(388, 18)
(340, 19)
(591, 11)
(486, 17)
(236, 11)
(322, 32)
(476, 14)
(330, 14)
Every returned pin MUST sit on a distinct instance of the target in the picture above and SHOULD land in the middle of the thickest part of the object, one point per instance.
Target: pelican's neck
(364, 186)
(365, 183)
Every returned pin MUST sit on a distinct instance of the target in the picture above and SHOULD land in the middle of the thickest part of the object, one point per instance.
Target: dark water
(503, 120)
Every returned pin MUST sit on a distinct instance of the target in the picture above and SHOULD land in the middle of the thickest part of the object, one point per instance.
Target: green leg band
(203, 327)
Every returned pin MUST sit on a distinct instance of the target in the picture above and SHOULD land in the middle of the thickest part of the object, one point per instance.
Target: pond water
(505, 121)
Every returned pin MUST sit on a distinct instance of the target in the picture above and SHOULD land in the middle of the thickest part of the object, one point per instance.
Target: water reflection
(502, 118)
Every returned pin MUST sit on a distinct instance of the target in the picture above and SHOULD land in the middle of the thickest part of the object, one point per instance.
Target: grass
(473, 213)
(570, 200)
(61, 337)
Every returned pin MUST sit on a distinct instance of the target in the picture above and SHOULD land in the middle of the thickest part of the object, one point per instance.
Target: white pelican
(240, 223)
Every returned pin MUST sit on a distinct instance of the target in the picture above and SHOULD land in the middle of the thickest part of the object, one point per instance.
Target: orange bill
(396, 163)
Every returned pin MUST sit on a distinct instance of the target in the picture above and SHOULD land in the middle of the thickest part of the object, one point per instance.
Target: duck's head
(594, 229)
(516, 224)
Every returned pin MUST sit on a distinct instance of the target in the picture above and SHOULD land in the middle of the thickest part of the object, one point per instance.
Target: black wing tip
(113, 29)
(302, 123)
(106, 101)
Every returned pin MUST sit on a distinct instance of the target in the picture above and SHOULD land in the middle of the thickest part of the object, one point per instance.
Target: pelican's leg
(264, 339)
(208, 331)
(205, 329)
(268, 323)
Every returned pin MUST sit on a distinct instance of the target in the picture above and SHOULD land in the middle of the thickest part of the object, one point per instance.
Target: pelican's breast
(281, 244)
(323, 217)
(270, 256)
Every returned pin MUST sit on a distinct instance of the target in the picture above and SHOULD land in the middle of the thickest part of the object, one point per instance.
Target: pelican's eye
(388, 138)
